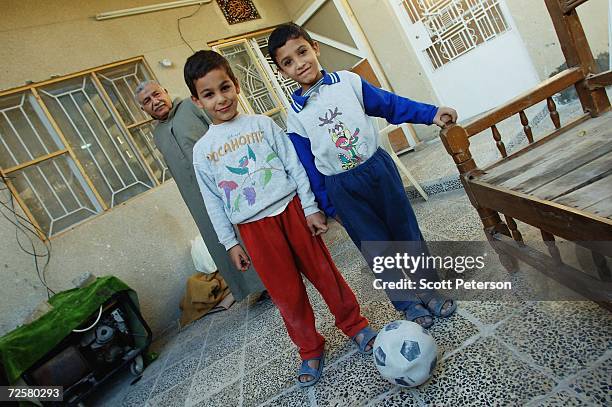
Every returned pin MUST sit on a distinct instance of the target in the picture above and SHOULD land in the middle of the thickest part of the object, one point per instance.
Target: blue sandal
(435, 303)
(417, 310)
(368, 334)
(307, 370)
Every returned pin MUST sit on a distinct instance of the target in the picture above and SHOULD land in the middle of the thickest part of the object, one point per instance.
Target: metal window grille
(456, 27)
(73, 147)
(287, 85)
(264, 88)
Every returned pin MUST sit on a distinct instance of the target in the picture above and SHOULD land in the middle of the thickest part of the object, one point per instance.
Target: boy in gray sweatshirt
(250, 176)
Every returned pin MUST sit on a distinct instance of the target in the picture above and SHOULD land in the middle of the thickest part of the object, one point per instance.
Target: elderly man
(180, 124)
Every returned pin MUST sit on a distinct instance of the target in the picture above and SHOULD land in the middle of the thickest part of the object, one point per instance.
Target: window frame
(252, 48)
(34, 90)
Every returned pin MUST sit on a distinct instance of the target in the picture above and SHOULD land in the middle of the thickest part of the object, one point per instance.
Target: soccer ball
(405, 353)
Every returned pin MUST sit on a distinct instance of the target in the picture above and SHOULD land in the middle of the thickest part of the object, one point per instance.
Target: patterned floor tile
(197, 328)
(432, 236)
(564, 337)
(270, 379)
(352, 382)
(450, 215)
(216, 376)
(228, 321)
(398, 398)
(218, 348)
(260, 307)
(293, 398)
(380, 313)
(362, 284)
(153, 370)
(562, 399)
(449, 333)
(266, 321)
(484, 373)
(336, 343)
(349, 259)
(173, 397)
(227, 397)
(138, 394)
(175, 374)
(272, 342)
(490, 312)
(190, 348)
(596, 384)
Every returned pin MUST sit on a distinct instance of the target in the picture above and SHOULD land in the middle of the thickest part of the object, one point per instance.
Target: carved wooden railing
(517, 106)
(456, 140)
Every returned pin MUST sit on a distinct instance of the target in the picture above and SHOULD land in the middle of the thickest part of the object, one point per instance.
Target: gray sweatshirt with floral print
(248, 169)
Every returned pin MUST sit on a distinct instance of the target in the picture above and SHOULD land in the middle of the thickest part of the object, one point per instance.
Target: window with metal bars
(456, 27)
(263, 88)
(74, 147)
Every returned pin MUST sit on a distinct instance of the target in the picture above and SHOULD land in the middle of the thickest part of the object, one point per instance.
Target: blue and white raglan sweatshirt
(247, 170)
(331, 128)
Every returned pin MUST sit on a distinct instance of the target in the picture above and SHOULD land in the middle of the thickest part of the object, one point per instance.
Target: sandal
(435, 304)
(305, 369)
(416, 312)
(367, 335)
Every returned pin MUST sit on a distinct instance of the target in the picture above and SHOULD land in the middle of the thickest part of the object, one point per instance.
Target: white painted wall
(485, 77)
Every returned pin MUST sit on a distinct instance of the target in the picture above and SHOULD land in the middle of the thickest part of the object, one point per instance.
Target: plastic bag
(202, 260)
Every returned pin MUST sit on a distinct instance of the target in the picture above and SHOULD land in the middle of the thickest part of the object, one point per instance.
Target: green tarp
(22, 347)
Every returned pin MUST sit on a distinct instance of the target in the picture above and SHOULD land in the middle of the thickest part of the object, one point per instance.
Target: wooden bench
(561, 183)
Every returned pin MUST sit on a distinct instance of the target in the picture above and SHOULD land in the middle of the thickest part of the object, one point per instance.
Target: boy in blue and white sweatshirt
(353, 178)
(250, 176)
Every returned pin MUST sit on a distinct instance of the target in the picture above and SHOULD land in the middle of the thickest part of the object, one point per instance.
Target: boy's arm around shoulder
(288, 156)
(215, 206)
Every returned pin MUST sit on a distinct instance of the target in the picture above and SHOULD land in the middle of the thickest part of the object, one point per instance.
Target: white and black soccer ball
(405, 353)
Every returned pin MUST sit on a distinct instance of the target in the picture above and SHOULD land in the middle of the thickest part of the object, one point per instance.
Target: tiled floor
(490, 353)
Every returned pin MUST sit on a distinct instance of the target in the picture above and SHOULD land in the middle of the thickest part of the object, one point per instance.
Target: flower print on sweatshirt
(255, 174)
(247, 169)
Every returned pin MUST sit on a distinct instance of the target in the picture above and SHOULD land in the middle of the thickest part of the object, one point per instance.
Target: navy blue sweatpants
(373, 207)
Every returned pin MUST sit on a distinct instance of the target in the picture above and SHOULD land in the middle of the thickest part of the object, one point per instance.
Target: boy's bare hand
(317, 223)
(444, 116)
(239, 258)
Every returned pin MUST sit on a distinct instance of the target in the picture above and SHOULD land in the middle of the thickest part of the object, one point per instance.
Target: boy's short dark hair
(284, 33)
(201, 63)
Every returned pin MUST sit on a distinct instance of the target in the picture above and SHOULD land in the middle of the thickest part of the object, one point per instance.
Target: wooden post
(516, 234)
(498, 141)
(526, 126)
(577, 53)
(455, 140)
(602, 266)
(549, 240)
(552, 110)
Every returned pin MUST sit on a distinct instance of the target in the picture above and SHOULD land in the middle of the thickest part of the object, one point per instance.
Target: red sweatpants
(281, 247)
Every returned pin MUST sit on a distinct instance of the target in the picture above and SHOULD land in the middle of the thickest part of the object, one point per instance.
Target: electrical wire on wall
(23, 227)
(178, 24)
